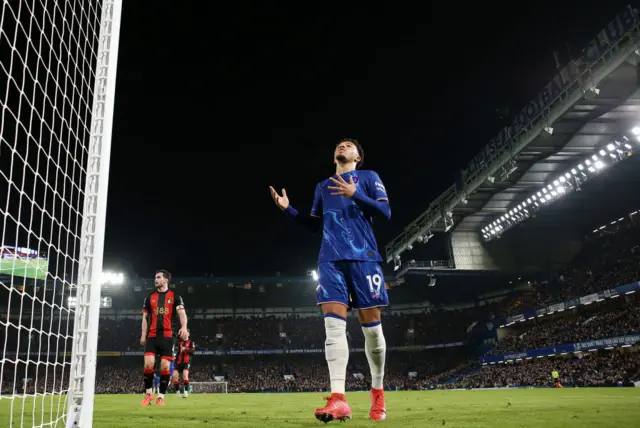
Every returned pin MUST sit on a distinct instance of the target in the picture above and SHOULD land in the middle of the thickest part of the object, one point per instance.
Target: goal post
(209, 387)
(58, 62)
(85, 338)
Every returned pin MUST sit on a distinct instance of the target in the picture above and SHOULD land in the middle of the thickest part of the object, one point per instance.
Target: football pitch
(569, 407)
(21, 268)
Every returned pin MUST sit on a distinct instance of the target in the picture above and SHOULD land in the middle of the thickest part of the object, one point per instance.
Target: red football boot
(378, 410)
(336, 408)
(160, 402)
(147, 400)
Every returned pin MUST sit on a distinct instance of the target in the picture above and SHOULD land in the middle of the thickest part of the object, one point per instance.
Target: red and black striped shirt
(163, 307)
(184, 357)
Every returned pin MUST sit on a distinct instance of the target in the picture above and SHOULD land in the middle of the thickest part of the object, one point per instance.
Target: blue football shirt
(347, 229)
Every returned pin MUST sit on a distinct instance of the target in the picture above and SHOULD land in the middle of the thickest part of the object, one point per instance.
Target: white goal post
(85, 338)
(58, 61)
(209, 387)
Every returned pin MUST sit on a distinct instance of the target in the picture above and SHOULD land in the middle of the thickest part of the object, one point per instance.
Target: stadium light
(570, 180)
(314, 275)
(113, 278)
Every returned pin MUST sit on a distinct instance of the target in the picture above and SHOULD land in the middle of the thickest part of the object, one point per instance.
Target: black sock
(148, 379)
(164, 382)
(186, 385)
(176, 386)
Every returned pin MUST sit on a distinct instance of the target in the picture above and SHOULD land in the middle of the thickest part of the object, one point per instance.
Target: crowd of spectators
(444, 369)
(607, 260)
(604, 368)
(604, 319)
(247, 373)
(271, 332)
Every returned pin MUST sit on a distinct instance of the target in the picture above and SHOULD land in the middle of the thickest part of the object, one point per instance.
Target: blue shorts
(355, 284)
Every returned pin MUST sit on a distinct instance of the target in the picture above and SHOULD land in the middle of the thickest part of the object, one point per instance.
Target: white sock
(376, 349)
(160, 395)
(336, 351)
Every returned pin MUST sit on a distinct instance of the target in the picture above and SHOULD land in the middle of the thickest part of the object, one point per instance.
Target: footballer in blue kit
(349, 270)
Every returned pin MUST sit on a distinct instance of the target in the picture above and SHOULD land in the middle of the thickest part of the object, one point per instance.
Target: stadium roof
(586, 127)
(589, 104)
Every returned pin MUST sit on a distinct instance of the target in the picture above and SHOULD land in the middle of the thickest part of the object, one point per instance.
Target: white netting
(209, 387)
(48, 56)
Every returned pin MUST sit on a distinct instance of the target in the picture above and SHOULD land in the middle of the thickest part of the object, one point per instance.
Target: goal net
(209, 387)
(57, 77)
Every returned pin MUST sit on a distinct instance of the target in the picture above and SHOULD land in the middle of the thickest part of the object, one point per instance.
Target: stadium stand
(614, 368)
(608, 319)
(254, 351)
(268, 338)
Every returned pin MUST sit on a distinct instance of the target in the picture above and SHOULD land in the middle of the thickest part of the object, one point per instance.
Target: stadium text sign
(517, 356)
(572, 303)
(303, 350)
(604, 41)
(609, 342)
(613, 32)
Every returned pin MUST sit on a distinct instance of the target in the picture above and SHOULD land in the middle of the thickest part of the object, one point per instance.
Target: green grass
(21, 268)
(569, 407)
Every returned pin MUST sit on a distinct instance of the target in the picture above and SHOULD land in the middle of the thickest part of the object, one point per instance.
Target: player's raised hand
(342, 188)
(281, 201)
(183, 333)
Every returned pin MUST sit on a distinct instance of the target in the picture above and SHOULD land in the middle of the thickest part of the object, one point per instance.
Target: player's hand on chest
(346, 206)
(343, 186)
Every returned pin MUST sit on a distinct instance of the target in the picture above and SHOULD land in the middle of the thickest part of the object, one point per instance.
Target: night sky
(215, 104)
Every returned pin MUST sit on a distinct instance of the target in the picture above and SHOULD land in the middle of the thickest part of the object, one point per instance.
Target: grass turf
(569, 407)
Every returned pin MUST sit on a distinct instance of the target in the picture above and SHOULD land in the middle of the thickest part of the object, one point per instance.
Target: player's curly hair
(358, 147)
(164, 273)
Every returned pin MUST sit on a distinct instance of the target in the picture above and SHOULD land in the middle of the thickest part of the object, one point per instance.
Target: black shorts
(183, 367)
(160, 347)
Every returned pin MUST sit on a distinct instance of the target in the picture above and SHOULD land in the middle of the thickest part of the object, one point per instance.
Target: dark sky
(214, 104)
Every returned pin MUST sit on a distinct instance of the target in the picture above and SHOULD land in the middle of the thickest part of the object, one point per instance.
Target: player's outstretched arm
(312, 223)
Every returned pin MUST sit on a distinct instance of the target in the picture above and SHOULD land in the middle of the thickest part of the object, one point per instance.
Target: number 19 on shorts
(375, 282)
